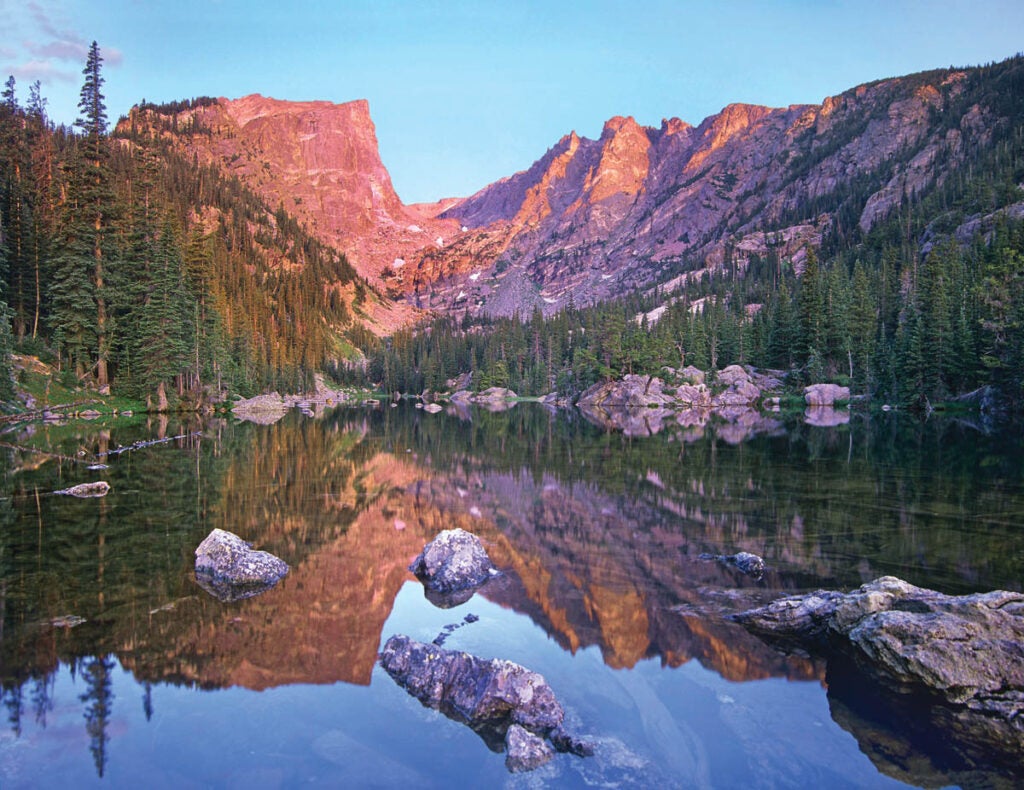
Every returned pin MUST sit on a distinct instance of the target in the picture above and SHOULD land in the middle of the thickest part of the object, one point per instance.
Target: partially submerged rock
(230, 569)
(524, 750)
(509, 706)
(743, 561)
(964, 653)
(85, 490)
(453, 562)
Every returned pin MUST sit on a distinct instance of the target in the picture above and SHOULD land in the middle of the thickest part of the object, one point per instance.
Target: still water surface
(604, 593)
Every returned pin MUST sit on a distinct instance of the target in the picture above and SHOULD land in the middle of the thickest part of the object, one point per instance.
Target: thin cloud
(43, 70)
(7, 53)
(57, 42)
(50, 27)
(62, 50)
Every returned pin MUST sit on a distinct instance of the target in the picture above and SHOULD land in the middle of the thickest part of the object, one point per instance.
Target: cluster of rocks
(269, 408)
(644, 405)
(512, 708)
(492, 398)
(504, 702)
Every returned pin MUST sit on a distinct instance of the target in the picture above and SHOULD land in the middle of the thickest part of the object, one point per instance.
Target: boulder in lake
(454, 561)
(86, 490)
(509, 706)
(964, 653)
(230, 569)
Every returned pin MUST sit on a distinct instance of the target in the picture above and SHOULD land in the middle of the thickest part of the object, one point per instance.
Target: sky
(464, 93)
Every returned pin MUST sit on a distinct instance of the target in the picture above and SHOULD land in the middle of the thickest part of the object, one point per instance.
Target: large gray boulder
(964, 652)
(511, 707)
(453, 561)
(632, 391)
(826, 394)
(230, 569)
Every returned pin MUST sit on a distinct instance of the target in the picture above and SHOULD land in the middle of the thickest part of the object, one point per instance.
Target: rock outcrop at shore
(817, 395)
(644, 405)
(961, 656)
(509, 706)
(268, 408)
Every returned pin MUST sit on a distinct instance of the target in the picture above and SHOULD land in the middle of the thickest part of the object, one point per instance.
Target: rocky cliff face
(320, 162)
(594, 219)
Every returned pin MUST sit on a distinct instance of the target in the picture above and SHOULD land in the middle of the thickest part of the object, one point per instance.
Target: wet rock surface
(452, 563)
(512, 708)
(743, 561)
(86, 490)
(230, 569)
(959, 660)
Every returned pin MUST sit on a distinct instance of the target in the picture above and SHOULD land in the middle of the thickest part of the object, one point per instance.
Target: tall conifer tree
(97, 196)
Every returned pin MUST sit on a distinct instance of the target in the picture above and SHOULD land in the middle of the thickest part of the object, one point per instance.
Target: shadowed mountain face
(596, 219)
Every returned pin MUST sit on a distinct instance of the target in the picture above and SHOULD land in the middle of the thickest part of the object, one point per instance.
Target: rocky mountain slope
(318, 161)
(596, 219)
(593, 219)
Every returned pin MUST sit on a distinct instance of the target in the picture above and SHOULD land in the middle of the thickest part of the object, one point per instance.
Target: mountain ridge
(592, 220)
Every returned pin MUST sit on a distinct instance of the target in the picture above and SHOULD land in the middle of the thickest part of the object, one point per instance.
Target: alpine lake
(118, 670)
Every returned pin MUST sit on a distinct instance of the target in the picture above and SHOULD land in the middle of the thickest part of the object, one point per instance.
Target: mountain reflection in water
(599, 536)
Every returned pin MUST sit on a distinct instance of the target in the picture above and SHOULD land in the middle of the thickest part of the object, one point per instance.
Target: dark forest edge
(129, 269)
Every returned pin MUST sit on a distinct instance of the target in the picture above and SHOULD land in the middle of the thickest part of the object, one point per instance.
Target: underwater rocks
(453, 562)
(510, 707)
(743, 561)
(962, 655)
(229, 568)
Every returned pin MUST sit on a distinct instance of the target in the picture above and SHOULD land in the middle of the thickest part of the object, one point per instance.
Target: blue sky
(463, 93)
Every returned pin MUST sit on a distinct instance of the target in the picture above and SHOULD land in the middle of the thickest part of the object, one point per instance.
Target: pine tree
(810, 338)
(863, 327)
(72, 290)
(96, 198)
